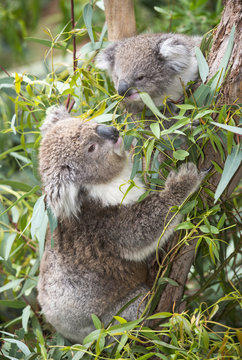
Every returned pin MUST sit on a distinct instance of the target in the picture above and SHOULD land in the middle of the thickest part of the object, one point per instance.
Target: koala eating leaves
(97, 263)
(155, 63)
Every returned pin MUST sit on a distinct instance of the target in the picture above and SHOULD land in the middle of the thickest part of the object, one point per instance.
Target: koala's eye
(139, 78)
(92, 148)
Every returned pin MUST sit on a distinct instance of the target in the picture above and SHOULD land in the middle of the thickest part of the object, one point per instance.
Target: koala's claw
(187, 179)
(206, 171)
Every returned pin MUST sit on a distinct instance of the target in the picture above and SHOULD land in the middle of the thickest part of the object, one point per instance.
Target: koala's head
(153, 63)
(75, 155)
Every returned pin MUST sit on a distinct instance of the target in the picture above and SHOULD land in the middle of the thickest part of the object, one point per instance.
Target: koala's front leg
(180, 185)
(143, 223)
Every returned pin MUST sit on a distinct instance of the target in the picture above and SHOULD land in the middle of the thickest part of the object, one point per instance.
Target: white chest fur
(113, 192)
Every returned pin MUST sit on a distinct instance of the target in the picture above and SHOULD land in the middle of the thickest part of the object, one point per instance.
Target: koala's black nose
(123, 87)
(108, 132)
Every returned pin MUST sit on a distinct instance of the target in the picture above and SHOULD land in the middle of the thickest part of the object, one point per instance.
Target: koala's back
(79, 276)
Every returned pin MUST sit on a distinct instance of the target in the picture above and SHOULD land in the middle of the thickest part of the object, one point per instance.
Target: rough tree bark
(120, 19)
(181, 261)
(230, 91)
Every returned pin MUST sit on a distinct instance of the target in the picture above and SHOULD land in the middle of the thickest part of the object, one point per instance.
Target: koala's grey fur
(97, 263)
(155, 63)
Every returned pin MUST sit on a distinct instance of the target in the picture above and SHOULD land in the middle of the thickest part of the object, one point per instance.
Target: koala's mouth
(118, 146)
(132, 95)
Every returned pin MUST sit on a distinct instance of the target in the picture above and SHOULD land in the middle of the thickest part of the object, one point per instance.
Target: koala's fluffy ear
(105, 59)
(175, 53)
(53, 115)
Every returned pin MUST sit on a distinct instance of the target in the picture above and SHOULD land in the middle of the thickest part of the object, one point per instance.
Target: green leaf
(201, 94)
(164, 280)
(105, 118)
(217, 167)
(15, 304)
(80, 354)
(234, 129)
(214, 311)
(202, 64)
(231, 165)
(185, 225)
(185, 106)
(53, 222)
(97, 323)
(211, 229)
(39, 222)
(189, 206)
(18, 81)
(22, 347)
(120, 328)
(145, 97)
(122, 343)
(155, 128)
(87, 16)
(8, 246)
(47, 43)
(25, 317)
(149, 151)
(218, 79)
(10, 285)
(180, 154)
(180, 123)
(161, 315)
(34, 190)
(221, 221)
(203, 113)
(94, 335)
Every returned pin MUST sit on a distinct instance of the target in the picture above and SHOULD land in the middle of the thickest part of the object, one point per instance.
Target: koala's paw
(186, 180)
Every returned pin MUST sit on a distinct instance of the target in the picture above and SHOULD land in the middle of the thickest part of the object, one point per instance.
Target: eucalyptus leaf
(25, 317)
(218, 79)
(202, 64)
(15, 304)
(22, 347)
(180, 154)
(8, 245)
(234, 129)
(155, 128)
(39, 223)
(145, 97)
(231, 165)
(10, 285)
(87, 16)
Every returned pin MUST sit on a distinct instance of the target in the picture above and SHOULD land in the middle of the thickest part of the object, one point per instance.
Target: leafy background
(211, 327)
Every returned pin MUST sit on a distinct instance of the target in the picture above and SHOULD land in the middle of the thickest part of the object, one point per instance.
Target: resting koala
(97, 263)
(155, 63)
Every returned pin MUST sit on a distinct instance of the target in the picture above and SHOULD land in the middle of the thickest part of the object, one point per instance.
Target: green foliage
(210, 327)
(17, 16)
(185, 16)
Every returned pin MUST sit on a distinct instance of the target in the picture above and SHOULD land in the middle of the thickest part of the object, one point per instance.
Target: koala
(102, 239)
(155, 63)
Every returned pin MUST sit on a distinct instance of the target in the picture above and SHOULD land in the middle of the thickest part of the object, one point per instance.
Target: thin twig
(68, 101)
(4, 70)
(74, 36)
(71, 105)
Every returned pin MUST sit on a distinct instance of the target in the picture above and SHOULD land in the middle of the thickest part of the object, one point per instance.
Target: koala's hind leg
(132, 311)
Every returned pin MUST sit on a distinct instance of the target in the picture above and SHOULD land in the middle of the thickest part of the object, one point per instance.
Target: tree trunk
(230, 91)
(120, 19)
